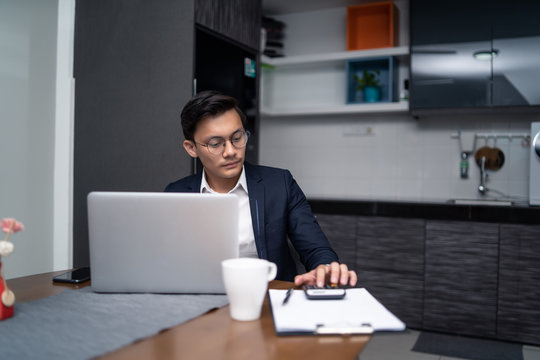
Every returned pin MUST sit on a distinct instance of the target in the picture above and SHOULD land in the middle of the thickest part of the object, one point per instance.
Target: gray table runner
(81, 324)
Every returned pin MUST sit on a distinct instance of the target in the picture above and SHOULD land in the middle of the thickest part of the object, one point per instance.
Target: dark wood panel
(133, 65)
(481, 279)
(237, 19)
(518, 316)
(399, 293)
(461, 277)
(341, 232)
(391, 244)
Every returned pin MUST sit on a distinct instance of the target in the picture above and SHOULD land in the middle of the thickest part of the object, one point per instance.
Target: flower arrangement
(9, 226)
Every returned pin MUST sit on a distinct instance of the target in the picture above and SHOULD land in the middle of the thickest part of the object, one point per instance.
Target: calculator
(327, 292)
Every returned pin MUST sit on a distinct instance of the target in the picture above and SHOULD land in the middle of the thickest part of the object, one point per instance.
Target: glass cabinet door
(474, 54)
(444, 71)
(448, 76)
(516, 49)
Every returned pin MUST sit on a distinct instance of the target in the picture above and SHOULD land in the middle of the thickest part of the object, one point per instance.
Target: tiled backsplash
(396, 157)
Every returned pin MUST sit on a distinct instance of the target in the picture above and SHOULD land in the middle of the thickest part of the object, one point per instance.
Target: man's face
(225, 166)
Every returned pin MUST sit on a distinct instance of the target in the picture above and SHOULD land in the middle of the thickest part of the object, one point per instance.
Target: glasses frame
(219, 148)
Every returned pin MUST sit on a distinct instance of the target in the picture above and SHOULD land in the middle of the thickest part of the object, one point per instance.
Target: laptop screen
(161, 242)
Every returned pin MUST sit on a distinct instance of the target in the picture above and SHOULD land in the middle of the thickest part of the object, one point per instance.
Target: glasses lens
(238, 140)
(215, 146)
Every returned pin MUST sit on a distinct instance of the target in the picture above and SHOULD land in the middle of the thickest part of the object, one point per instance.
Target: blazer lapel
(256, 203)
(195, 185)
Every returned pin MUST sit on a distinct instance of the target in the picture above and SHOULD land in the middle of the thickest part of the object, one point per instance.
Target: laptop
(161, 242)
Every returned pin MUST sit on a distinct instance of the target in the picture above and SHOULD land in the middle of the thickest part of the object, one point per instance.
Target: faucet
(482, 188)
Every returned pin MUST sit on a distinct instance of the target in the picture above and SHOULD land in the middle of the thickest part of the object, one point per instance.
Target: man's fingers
(306, 278)
(321, 272)
(344, 278)
(334, 273)
(353, 278)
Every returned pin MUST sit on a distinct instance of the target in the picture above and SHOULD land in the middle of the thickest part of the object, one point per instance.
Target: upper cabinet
(471, 54)
(239, 20)
(316, 75)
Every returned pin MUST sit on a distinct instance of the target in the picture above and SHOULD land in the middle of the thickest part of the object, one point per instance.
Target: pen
(287, 296)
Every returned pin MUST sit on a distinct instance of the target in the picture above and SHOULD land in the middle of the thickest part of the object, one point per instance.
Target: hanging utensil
(494, 157)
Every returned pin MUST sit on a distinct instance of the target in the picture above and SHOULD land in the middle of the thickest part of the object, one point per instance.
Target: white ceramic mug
(246, 281)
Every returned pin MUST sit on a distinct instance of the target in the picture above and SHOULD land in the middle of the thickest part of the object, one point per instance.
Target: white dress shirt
(246, 238)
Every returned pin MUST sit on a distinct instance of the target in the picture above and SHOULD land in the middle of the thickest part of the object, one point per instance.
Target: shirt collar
(242, 183)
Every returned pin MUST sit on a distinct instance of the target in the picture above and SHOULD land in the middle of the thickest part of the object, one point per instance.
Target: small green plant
(368, 78)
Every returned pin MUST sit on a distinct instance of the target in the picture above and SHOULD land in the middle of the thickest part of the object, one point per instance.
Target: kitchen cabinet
(341, 232)
(387, 255)
(461, 277)
(390, 264)
(239, 20)
(312, 80)
(519, 275)
(474, 55)
(469, 277)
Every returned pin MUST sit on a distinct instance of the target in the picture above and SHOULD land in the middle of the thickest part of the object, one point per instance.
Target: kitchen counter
(519, 213)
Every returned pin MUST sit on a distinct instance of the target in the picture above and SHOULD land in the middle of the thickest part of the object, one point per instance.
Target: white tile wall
(403, 159)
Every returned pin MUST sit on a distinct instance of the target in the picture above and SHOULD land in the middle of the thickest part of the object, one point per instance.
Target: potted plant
(369, 83)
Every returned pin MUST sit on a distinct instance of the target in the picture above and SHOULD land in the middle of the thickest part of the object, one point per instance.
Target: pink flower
(10, 225)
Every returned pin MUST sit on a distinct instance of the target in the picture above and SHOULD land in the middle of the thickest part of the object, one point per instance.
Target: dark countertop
(515, 214)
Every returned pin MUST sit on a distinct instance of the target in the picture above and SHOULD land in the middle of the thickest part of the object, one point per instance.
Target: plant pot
(372, 94)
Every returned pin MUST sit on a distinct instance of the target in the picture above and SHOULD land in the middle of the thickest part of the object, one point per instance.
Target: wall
(403, 158)
(28, 31)
(63, 149)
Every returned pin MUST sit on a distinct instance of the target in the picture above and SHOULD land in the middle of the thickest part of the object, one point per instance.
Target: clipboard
(358, 313)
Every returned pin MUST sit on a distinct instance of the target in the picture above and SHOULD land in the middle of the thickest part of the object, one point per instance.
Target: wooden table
(213, 335)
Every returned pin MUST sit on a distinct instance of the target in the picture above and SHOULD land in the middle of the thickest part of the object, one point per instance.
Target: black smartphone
(74, 277)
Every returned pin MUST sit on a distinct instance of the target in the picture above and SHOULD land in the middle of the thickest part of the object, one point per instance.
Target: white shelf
(402, 106)
(296, 76)
(333, 57)
(313, 80)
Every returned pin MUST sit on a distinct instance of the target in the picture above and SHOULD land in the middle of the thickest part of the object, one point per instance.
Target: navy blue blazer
(279, 209)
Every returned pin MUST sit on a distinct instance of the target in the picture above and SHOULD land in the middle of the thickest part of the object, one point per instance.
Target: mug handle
(272, 271)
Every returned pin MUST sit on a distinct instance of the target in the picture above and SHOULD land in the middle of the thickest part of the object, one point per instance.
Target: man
(272, 205)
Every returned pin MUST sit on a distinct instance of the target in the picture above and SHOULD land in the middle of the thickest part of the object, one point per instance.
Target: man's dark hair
(207, 104)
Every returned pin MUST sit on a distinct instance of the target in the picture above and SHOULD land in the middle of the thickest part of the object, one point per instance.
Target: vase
(5, 311)
(372, 94)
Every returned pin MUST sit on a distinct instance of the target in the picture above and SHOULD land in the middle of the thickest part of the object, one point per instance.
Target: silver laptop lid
(160, 242)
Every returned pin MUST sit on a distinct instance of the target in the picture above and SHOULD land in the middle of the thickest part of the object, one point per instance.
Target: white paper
(358, 308)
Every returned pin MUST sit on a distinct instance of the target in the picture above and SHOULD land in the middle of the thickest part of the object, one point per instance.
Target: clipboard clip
(363, 329)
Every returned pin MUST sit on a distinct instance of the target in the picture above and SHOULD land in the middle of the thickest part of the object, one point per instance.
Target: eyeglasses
(215, 145)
